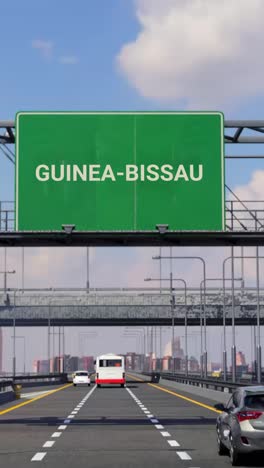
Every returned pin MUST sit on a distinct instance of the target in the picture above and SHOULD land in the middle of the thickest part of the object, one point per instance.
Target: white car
(81, 377)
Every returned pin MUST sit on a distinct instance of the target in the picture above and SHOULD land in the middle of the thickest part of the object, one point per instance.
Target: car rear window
(255, 402)
(81, 374)
(110, 363)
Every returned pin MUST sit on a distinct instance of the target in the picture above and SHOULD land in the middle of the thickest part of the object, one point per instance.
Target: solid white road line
(173, 443)
(56, 434)
(184, 456)
(38, 456)
(165, 434)
(49, 443)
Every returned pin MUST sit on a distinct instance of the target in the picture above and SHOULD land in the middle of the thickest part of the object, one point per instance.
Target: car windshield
(81, 374)
(255, 402)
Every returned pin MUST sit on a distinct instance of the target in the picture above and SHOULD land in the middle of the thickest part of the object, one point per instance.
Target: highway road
(142, 424)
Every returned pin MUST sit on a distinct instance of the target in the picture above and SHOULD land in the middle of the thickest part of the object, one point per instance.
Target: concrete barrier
(214, 395)
(7, 395)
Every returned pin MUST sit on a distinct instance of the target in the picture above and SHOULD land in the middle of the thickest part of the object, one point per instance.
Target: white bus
(110, 369)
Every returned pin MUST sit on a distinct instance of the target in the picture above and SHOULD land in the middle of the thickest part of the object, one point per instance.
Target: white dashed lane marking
(38, 456)
(184, 456)
(173, 443)
(49, 443)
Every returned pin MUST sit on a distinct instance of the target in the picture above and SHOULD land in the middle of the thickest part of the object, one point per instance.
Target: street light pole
(203, 355)
(232, 257)
(172, 300)
(87, 269)
(258, 320)
(233, 355)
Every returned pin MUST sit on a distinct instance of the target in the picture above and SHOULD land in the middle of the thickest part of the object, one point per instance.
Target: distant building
(214, 366)
(194, 364)
(72, 364)
(130, 359)
(178, 351)
(240, 359)
(87, 363)
(43, 367)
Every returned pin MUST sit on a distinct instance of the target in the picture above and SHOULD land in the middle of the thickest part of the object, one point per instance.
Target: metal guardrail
(34, 379)
(4, 384)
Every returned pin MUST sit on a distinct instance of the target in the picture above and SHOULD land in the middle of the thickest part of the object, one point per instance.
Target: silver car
(240, 426)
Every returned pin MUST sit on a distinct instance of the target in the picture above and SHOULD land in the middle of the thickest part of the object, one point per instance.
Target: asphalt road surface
(137, 426)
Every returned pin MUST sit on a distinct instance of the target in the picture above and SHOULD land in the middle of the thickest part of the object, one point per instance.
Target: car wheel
(89, 384)
(74, 384)
(122, 385)
(222, 450)
(234, 454)
(98, 385)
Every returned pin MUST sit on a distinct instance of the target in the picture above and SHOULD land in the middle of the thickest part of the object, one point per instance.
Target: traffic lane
(193, 426)
(111, 430)
(24, 429)
(29, 393)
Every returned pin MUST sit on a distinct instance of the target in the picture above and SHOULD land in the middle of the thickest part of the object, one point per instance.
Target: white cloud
(205, 53)
(254, 189)
(68, 60)
(45, 47)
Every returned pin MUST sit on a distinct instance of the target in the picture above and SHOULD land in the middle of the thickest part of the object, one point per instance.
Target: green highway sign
(112, 171)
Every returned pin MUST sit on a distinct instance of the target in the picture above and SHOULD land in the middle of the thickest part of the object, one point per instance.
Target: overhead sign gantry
(236, 132)
(130, 171)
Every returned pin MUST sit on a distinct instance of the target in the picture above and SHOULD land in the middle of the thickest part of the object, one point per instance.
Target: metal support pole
(5, 272)
(172, 322)
(24, 355)
(201, 338)
(49, 338)
(242, 271)
(63, 349)
(160, 269)
(204, 317)
(87, 269)
(59, 349)
(224, 328)
(258, 320)
(233, 352)
(23, 268)
(255, 350)
(14, 336)
(185, 330)
(160, 346)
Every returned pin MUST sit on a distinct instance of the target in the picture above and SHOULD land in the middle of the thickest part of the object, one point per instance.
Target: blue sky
(39, 36)
(59, 55)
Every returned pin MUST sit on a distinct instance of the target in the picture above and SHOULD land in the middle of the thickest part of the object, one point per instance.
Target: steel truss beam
(234, 131)
(132, 239)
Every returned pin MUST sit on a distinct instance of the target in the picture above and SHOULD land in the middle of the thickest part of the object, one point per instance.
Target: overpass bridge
(118, 308)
